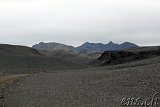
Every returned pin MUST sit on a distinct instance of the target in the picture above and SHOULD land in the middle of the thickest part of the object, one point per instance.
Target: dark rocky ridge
(124, 56)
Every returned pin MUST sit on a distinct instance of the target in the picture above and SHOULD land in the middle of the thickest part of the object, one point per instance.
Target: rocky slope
(124, 56)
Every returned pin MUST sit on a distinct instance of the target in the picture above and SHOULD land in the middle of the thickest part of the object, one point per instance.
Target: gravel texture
(84, 88)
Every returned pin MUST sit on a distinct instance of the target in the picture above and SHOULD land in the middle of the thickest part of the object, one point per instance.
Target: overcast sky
(73, 22)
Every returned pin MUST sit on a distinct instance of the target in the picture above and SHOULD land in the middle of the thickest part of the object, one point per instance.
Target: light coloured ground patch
(8, 78)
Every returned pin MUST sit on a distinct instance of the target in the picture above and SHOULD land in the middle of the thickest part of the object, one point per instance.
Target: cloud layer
(26, 22)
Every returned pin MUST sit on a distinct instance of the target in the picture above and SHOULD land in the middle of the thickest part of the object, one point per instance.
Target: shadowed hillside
(12, 50)
(21, 59)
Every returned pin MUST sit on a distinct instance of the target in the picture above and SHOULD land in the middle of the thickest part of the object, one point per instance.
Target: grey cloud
(76, 21)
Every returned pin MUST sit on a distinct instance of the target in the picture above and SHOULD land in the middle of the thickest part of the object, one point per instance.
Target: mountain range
(86, 47)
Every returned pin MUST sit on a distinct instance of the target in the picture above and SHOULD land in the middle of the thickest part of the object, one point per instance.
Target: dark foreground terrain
(112, 85)
(98, 87)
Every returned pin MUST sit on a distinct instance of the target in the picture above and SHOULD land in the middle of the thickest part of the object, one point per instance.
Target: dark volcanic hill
(21, 59)
(128, 55)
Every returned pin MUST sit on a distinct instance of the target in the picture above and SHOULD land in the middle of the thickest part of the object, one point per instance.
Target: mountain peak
(126, 42)
(111, 42)
(86, 43)
(41, 42)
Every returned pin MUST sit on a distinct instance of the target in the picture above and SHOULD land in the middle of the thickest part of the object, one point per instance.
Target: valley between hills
(91, 75)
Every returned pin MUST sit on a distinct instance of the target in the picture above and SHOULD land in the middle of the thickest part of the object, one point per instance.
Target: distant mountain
(99, 47)
(52, 46)
(126, 45)
(86, 47)
(91, 47)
